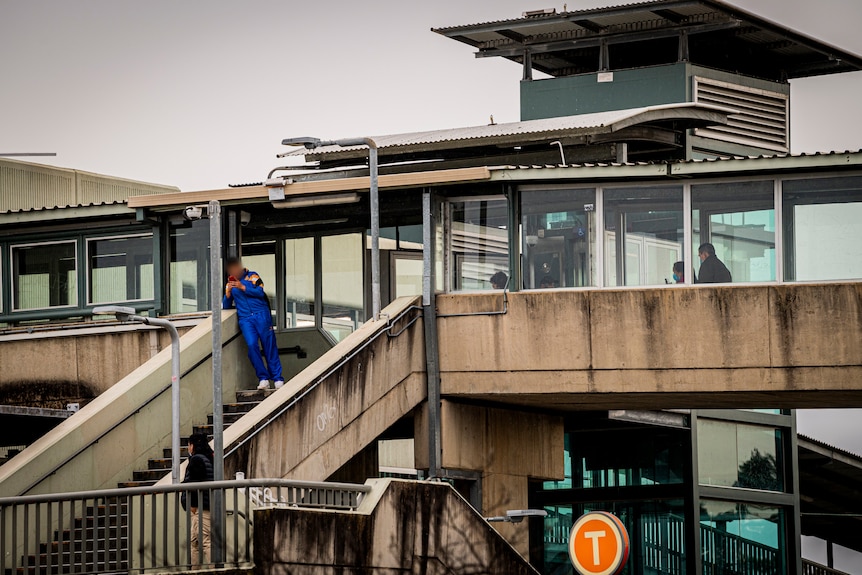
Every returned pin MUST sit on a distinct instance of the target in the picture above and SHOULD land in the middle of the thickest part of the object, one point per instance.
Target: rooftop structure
(709, 33)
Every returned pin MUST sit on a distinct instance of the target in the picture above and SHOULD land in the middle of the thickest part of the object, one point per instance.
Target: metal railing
(812, 568)
(149, 528)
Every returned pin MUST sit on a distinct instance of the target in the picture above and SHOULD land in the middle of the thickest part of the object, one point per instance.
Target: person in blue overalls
(244, 290)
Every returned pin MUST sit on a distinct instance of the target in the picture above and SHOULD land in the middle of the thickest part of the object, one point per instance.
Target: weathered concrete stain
(416, 528)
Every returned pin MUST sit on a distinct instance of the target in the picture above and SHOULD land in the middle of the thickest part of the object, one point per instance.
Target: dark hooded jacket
(713, 271)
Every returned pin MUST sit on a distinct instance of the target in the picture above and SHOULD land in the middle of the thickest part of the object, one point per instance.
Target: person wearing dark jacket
(198, 469)
(712, 269)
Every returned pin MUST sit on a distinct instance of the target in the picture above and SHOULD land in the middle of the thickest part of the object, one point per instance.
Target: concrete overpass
(739, 346)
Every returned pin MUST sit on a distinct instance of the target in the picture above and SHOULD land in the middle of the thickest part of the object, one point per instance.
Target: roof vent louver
(761, 118)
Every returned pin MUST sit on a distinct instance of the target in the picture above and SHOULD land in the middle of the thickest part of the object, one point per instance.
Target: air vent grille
(761, 118)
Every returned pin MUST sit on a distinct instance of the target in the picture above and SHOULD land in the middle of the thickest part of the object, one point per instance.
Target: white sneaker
(279, 383)
(264, 384)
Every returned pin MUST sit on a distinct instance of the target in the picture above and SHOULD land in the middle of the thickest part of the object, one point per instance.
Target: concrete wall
(130, 422)
(401, 527)
(316, 429)
(506, 448)
(692, 347)
(52, 368)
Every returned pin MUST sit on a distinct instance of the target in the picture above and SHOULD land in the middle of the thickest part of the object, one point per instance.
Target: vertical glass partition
(738, 218)
(643, 235)
(822, 229)
(478, 242)
(558, 236)
(342, 286)
(299, 284)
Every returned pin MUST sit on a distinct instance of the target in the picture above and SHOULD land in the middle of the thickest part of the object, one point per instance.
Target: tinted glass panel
(558, 237)
(44, 276)
(120, 269)
(739, 455)
(822, 229)
(643, 235)
(738, 219)
(341, 269)
(299, 282)
(741, 538)
(189, 273)
(260, 257)
(479, 243)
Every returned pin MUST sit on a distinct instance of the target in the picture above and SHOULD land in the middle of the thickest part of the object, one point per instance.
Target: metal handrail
(152, 528)
(227, 484)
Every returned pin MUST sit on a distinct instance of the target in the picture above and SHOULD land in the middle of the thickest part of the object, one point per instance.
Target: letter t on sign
(595, 536)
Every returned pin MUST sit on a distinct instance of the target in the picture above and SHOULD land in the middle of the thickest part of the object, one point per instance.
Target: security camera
(193, 213)
(532, 240)
(244, 218)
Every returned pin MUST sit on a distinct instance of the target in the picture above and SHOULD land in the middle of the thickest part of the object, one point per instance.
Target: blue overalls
(255, 322)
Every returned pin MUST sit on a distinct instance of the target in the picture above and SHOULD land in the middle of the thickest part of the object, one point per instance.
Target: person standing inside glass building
(244, 290)
(712, 270)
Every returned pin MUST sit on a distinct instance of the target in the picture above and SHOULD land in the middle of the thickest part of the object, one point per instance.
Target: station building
(590, 379)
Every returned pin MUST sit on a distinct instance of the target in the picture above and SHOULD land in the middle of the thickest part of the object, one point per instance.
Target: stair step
(184, 452)
(228, 418)
(163, 464)
(148, 475)
(125, 484)
(56, 547)
(251, 395)
(240, 407)
(205, 429)
(114, 555)
(95, 533)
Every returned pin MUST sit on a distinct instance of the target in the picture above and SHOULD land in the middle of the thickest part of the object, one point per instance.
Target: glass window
(656, 531)
(479, 244)
(189, 272)
(822, 227)
(406, 275)
(120, 269)
(558, 238)
(643, 235)
(342, 282)
(624, 458)
(739, 455)
(44, 275)
(260, 257)
(741, 538)
(738, 218)
(299, 282)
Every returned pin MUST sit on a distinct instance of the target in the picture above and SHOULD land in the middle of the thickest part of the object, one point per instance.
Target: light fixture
(317, 200)
(517, 515)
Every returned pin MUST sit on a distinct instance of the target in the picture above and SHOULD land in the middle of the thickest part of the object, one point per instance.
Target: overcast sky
(199, 94)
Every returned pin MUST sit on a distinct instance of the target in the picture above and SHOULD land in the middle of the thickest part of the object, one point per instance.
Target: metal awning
(581, 129)
(717, 34)
(830, 491)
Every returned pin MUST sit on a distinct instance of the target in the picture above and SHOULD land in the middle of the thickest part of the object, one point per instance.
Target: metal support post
(217, 507)
(429, 320)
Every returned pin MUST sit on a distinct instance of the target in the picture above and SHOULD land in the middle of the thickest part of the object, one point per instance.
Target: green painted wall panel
(584, 94)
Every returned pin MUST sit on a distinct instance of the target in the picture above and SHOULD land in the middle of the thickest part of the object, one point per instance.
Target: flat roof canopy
(717, 35)
(830, 490)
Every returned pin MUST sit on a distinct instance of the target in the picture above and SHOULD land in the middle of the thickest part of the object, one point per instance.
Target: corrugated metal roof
(29, 187)
(601, 122)
(823, 445)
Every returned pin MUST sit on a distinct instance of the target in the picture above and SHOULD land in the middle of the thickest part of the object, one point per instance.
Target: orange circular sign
(598, 544)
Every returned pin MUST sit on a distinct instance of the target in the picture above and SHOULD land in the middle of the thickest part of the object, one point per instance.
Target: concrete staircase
(97, 540)
(158, 467)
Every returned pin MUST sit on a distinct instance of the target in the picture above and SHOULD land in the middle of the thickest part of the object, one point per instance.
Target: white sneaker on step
(279, 383)
(264, 384)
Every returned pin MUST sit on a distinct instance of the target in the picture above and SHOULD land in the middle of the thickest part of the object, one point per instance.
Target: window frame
(13, 276)
(87, 275)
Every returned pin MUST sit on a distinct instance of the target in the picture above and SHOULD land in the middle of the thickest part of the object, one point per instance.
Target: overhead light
(317, 200)
(663, 418)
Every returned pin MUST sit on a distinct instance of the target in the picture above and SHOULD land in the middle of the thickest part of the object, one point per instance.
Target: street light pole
(124, 314)
(374, 201)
